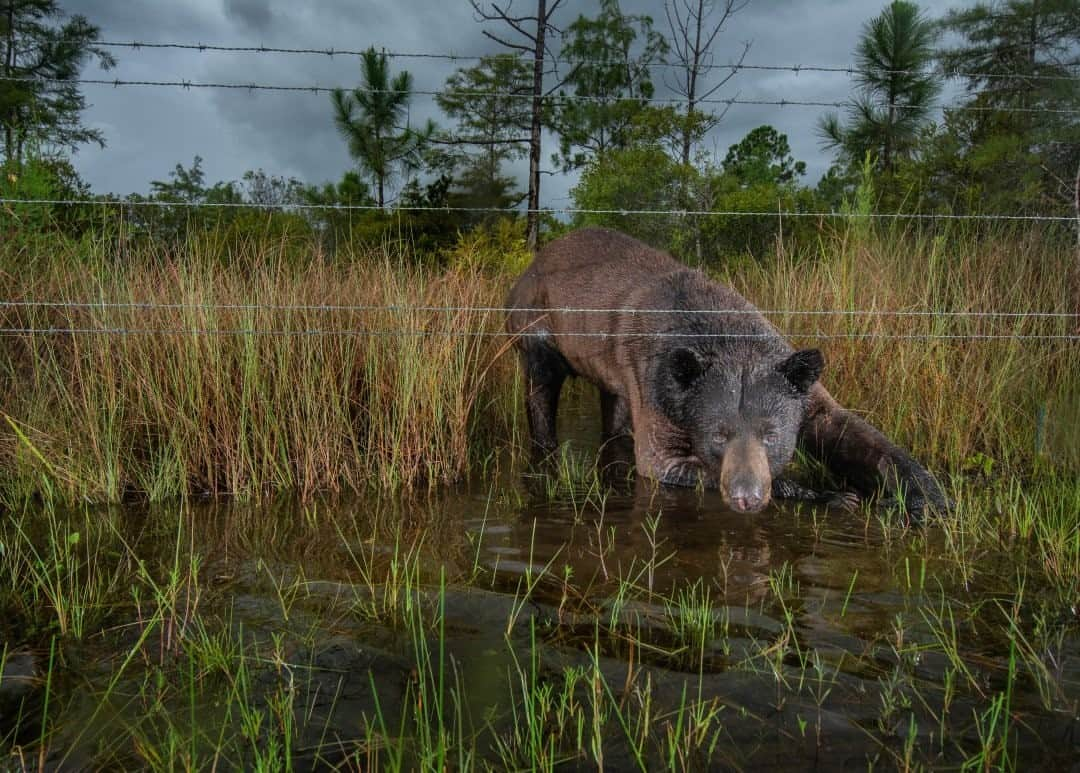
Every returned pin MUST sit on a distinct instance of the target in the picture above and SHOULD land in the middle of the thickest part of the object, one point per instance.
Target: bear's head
(741, 414)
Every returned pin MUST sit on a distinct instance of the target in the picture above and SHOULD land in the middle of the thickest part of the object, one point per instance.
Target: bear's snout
(745, 480)
(747, 500)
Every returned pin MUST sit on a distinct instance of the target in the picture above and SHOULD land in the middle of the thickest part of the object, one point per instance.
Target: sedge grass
(396, 398)
(955, 401)
(198, 687)
(104, 418)
(222, 385)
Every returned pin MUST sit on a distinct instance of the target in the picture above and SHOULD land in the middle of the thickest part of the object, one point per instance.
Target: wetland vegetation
(263, 497)
(322, 546)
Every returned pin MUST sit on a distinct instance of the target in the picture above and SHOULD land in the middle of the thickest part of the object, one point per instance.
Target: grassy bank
(511, 626)
(229, 374)
(946, 341)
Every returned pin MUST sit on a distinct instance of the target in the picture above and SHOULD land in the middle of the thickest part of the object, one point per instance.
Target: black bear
(707, 389)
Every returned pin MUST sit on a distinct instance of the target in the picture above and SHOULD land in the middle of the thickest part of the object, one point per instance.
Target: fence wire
(436, 327)
(161, 204)
(705, 67)
(557, 97)
(104, 305)
(423, 333)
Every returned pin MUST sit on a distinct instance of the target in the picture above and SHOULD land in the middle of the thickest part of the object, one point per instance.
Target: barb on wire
(451, 57)
(398, 309)
(423, 333)
(561, 98)
(152, 203)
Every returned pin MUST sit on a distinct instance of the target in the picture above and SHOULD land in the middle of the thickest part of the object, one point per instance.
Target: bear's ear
(685, 366)
(802, 369)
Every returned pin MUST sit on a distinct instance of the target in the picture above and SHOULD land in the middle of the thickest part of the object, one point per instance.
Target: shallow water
(338, 633)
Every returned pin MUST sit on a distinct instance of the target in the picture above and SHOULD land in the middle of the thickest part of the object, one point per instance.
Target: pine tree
(610, 57)
(897, 88)
(373, 120)
(489, 103)
(41, 54)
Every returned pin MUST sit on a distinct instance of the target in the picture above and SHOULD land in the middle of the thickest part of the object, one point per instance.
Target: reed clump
(251, 365)
(952, 342)
(245, 371)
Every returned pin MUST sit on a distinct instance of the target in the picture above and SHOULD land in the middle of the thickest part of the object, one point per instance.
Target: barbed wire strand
(23, 332)
(400, 308)
(566, 98)
(451, 57)
(160, 204)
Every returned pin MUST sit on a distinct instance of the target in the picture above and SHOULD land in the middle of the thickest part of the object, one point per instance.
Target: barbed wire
(557, 97)
(423, 333)
(159, 204)
(426, 332)
(406, 308)
(732, 67)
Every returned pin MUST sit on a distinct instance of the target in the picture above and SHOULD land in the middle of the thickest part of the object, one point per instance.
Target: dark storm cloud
(150, 130)
(294, 132)
(252, 14)
(128, 20)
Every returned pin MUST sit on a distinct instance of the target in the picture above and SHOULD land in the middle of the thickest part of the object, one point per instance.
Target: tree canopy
(763, 156)
(610, 80)
(897, 89)
(1007, 140)
(1015, 140)
(492, 128)
(42, 51)
(373, 120)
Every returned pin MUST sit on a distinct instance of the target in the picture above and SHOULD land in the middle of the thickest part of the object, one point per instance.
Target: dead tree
(695, 25)
(530, 31)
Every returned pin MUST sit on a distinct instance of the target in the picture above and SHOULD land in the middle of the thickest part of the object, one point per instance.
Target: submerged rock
(19, 692)
(338, 689)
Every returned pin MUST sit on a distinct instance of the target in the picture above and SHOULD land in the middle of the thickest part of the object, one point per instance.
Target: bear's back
(594, 268)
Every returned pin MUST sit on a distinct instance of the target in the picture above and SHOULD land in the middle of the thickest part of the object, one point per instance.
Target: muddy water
(833, 644)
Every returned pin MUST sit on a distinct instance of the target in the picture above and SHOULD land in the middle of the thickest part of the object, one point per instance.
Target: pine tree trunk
(9, 70)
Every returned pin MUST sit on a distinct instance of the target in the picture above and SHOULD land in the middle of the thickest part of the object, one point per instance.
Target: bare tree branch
(695, 26)
(506, 17)
(477, 141)
(507, 43)
(734, 71)
(540, 54)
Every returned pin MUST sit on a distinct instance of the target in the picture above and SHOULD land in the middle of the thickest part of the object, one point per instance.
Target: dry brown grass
(1009, 399)
(226, 386)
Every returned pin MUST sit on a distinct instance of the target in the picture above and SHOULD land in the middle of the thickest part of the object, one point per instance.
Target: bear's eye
(769, 437)
(722, 438)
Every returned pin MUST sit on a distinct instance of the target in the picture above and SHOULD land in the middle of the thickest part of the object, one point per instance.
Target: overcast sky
(149, 130)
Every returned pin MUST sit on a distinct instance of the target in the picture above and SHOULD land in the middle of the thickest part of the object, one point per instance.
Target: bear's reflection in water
(686, 535)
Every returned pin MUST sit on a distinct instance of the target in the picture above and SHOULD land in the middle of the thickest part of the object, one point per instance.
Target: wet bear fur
(705, 398)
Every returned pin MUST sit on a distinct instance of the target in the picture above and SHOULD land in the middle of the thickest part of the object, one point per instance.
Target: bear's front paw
(686, 474)
(848, 501)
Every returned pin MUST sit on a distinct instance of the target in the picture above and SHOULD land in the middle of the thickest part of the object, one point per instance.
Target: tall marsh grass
(233, 376)
(962, 403)
(237, 378)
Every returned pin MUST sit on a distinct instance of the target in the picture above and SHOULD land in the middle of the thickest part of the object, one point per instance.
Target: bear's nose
(747, 500)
